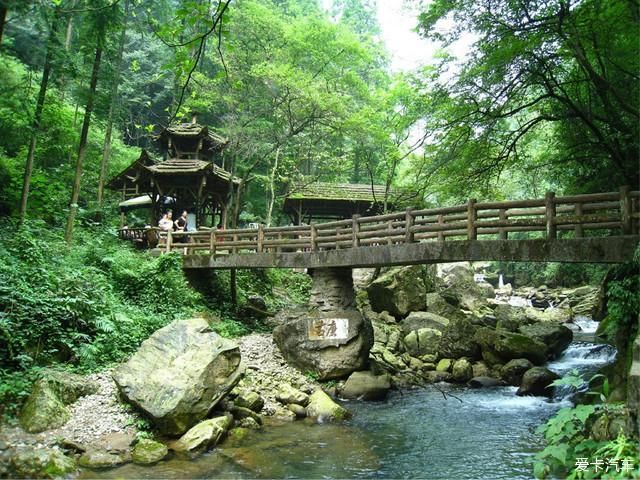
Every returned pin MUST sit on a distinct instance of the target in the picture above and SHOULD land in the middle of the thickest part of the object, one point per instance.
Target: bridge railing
(549, 217)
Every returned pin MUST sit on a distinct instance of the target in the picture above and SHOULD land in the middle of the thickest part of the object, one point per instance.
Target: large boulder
(366, 386)
(460, 289)
(179, 374)
(457, 340)
(510, 317)
(37, 462)
(554, 336)
(537, 382)
(462, 371)
(437, 305)
(329, 344)
(424, 341)
(52, 392)
(418, 320)
(288, 394)
(202, 437)
(400, 290)
(323, 409)
(513, 371)
(515, 345)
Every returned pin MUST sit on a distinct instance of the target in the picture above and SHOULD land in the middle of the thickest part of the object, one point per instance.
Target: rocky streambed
(187, 390)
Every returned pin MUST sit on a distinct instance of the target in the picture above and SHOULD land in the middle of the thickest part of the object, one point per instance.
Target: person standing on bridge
(166, 223)
(182, 221)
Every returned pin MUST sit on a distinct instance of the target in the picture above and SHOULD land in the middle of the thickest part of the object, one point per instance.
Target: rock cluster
(440, 325)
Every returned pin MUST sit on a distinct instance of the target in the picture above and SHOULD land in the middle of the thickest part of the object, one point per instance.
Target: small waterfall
(500, 281)
(585, 357)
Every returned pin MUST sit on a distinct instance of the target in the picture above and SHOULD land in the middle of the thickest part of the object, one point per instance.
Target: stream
(472, 433)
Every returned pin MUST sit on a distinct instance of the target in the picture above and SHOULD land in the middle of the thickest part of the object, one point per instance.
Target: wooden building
(189, 177)
(329, 201)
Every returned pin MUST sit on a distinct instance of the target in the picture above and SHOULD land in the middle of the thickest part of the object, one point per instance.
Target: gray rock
(34, 462)
(298, 410)
(329, 344)
(435, 376)
(250, 400)
(101, 459)
(556, 337)
(400, 290)
(366, 386)
(458, 340)
(418, 320)
(437, 305)
(424, 341)
(202, 437)
(179, 374)
(52, 392)
(290, 395)
(462, 371)
(513, 370)
(323, 409)
(536, 382)
(147, 452)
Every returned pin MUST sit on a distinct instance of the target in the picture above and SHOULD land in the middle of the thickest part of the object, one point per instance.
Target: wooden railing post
(234, 239)
(472, 217)
(550, 214)
(503, 234)
(579, 228)
(314, 237)
(260, 239)
(625, 209)
(355, 230)
(389, 232)
(169, 240)
(440, 232)
(212, 243)
(409, 220)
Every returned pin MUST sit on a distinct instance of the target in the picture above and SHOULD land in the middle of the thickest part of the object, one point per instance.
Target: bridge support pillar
(332, 289)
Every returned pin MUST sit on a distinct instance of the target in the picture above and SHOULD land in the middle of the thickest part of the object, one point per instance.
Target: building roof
(354, 192)
(193, 130)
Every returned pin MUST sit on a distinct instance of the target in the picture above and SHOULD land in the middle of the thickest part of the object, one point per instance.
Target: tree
(566, 69)
(106, 150)
(37, 116)
(101, 20)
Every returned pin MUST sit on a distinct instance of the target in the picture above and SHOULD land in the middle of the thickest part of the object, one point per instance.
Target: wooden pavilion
(330, 201)
(189, 176)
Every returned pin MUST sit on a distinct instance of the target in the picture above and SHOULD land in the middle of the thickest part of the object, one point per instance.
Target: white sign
(329, 329)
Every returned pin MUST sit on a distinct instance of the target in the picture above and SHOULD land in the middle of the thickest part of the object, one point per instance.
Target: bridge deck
(599, 228)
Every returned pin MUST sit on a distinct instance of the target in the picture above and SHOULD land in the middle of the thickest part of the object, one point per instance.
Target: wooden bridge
(597, 228)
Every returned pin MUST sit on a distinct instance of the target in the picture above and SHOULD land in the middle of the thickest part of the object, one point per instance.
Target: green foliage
(552, 274)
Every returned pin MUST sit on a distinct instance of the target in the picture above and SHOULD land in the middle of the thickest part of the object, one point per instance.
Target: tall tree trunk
(67, 46)
(37, 116)
(3, 19)
(82, 148)
(272, 189)
(106, 150)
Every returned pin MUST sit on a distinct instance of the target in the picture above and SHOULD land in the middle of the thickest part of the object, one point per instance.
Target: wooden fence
(550, 217)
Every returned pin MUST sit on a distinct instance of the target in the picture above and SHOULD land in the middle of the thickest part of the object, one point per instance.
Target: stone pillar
(332, 289)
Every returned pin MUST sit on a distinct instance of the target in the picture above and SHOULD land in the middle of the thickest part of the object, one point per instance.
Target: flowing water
(438, 432)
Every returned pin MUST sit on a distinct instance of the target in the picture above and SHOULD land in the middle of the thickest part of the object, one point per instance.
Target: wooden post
(234, 239)
(260, 239)
(337, 242)
(212, 243)
(314, 237)
(550, 213)
(472, 216)
(441, 232)
(169, 235)
(409, 220)
(625, 209)
(579, 229)
(355, 230)
(279, 247)
(503, 234)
